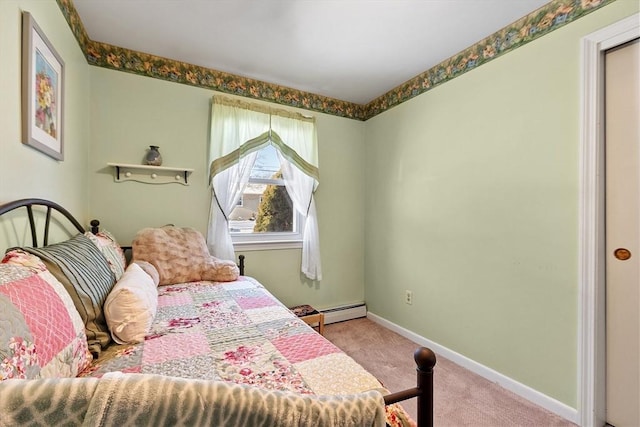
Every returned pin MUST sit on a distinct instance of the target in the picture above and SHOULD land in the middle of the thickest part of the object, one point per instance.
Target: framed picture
(42, 91)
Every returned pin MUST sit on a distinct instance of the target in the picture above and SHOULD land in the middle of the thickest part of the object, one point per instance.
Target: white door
(622, 148)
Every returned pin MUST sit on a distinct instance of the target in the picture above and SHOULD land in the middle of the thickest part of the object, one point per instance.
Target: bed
(214, 352)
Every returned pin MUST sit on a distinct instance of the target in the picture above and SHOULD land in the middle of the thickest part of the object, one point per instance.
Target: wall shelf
(151, 174)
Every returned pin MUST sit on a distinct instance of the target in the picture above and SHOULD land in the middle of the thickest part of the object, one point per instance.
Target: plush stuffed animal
(180, 255)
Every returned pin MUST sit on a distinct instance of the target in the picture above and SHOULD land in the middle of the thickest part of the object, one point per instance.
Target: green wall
(25, 172)
(129, 113)
(472, 203)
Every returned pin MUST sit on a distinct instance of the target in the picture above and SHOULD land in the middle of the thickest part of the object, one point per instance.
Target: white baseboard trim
(342, 313)
(524, 391)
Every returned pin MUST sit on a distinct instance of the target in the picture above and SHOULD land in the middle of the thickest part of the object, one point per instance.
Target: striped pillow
(83, 270)
(111, 251)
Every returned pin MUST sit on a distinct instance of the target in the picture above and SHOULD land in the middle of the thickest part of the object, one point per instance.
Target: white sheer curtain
(231, 128)
(238, 131)
(300, 188)
(227, 189)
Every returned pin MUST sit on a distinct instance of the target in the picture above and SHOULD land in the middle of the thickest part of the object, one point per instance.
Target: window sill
(267, 245)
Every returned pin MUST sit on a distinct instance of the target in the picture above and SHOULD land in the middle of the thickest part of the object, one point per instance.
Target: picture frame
(42, 91)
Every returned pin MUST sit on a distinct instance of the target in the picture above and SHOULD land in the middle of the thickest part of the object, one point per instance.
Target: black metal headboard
(29, 204)
(95, 224)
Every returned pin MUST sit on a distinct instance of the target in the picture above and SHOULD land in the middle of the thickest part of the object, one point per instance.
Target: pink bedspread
(238, 332)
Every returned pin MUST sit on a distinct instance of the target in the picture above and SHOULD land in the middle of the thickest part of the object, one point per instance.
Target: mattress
(238, 332)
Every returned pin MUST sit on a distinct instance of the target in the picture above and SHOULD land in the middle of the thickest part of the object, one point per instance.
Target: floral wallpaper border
(551, 16)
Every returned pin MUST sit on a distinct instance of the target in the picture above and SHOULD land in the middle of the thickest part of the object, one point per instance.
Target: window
(265, 214)
(241, 131)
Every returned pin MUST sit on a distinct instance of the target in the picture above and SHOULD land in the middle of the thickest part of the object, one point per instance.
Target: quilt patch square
(223, 339)
(258, 363)
(280, 328)
(255, 302)
(197, 367)
(347, 376)
(242, 283)
(267, 314)
(167, 314)
(222, 314)
(298, 348)
(174, 346)
(213, 292)
(174, 299)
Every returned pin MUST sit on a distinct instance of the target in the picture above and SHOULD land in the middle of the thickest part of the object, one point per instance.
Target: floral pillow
(111, 251)
(41, 332)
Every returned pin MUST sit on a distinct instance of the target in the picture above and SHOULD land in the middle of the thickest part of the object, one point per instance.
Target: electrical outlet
(408, 297)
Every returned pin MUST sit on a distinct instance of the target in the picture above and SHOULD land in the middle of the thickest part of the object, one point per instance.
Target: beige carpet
(462, 398)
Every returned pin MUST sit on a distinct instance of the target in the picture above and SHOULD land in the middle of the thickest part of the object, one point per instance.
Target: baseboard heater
(345, 312)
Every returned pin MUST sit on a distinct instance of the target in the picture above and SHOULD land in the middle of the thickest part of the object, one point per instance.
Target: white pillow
(131, 306)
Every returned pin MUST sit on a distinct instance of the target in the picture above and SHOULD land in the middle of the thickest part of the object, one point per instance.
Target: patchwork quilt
(239, 333)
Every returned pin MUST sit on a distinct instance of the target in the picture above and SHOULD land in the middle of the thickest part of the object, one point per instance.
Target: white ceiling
(352, 50)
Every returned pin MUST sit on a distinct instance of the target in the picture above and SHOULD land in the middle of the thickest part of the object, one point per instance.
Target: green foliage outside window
(275, 212)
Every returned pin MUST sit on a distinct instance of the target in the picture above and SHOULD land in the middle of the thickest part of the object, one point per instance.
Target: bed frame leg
(425, 361)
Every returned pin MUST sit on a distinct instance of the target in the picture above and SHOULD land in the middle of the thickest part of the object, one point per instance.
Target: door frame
(591, 256)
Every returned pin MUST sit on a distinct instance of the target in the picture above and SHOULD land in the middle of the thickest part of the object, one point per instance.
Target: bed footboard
(425, 362)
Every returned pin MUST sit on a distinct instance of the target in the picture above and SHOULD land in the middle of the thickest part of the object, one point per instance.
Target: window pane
(275, 211)
(266, 206)
(243, 217)
(267, 163)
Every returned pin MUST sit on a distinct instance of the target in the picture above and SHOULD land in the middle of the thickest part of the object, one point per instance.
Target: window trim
(266, 245)
(273, 240)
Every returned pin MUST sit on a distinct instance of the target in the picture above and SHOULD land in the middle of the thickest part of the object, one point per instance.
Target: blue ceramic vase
(153, 156)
